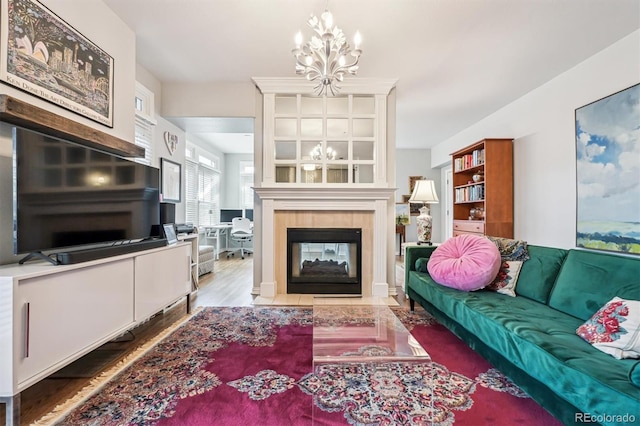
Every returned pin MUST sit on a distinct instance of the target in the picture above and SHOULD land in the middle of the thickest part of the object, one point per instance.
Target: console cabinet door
(161, 278)
(60, 315)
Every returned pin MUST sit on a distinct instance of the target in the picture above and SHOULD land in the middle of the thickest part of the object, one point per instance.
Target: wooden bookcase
(491, 193)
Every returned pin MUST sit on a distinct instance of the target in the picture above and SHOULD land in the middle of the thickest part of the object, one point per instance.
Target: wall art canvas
(402, 214)
(608, 173)
(46, 57)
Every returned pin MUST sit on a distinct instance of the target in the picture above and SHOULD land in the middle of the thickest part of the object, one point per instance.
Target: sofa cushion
(421, 264)
(615, 328)
(507, 278)
(634, 374)
(510, 249)
(588, 280)
(538, 274)
(466, 262)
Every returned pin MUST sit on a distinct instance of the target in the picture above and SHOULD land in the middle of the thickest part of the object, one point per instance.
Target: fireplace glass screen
(325, 261)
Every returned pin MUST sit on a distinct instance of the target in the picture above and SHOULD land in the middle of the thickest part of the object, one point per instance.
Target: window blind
(208, 196)
(144, 139)
(191, 192)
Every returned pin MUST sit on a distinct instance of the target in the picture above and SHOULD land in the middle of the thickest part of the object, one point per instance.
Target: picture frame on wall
(412, 182)
(171, 180)
(402, 214)
(608, 172)
(414, 209)
(46, 57)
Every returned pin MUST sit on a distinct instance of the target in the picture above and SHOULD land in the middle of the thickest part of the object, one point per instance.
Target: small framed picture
(402, 214)
(412, 182)
(171, 177)
(414, 209)
(170, 233)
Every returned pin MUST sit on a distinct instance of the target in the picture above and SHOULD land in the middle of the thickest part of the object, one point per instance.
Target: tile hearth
(310, 300)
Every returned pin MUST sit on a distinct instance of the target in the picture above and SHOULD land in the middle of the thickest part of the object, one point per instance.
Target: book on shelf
(470, 193)
(468, 161)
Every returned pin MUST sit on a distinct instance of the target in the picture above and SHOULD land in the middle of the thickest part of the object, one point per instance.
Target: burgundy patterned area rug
(253, 366)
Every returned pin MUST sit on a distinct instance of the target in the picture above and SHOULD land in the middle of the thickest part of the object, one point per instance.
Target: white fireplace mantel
(334, 199)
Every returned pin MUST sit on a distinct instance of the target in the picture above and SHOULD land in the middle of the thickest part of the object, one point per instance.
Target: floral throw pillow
(511, 249)
(507, 278)
(615, 328)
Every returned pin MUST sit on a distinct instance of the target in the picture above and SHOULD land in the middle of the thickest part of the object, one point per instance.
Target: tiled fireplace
(367, 209)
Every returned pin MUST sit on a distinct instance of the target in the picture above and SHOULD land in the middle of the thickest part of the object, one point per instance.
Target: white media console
(53, 315)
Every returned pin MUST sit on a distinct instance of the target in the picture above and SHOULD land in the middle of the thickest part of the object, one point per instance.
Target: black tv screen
(227, 215)
(67, 195)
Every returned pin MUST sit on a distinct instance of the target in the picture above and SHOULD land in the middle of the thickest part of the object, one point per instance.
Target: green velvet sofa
(532, 337)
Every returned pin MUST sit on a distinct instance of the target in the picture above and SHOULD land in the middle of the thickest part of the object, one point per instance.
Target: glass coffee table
(367, 364)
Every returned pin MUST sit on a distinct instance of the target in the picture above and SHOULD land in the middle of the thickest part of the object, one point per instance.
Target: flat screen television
(69, 195)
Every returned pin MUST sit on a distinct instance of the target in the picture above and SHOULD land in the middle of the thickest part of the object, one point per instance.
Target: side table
(400, 231)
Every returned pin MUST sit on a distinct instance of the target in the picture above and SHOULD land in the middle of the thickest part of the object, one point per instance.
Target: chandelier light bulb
(357, 39)
(327, 18)
(298, 39)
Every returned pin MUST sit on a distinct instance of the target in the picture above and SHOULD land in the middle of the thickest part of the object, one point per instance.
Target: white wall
(231, 180)
(417, 162)
(214, 99)
(162, 151)
(542, 124)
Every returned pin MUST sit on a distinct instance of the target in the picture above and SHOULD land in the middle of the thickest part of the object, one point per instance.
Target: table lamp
(424, 192)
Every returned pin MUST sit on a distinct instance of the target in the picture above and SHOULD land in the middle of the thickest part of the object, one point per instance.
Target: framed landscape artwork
(46, 57)
(608, 173)
(402, 214)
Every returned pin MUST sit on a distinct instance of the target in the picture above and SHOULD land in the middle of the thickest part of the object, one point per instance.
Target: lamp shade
(424, 192)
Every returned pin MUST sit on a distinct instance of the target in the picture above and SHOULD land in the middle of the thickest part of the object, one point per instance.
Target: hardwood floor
(229, 285)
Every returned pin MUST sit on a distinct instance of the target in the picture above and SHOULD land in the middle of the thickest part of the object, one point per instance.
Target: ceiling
(456, 61)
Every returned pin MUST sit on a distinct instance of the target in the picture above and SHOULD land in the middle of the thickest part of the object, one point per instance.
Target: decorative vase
(477, 177)
(425, 223)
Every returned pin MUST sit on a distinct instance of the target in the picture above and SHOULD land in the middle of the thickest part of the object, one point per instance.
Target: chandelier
(316, 153)
(324, 57)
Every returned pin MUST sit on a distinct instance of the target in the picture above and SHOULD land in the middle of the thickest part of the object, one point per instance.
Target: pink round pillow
(466, 262)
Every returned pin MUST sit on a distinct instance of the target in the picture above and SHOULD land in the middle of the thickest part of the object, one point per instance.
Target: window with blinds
(202, 194)
(144, 138)
(145, 122)
(191, 192)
